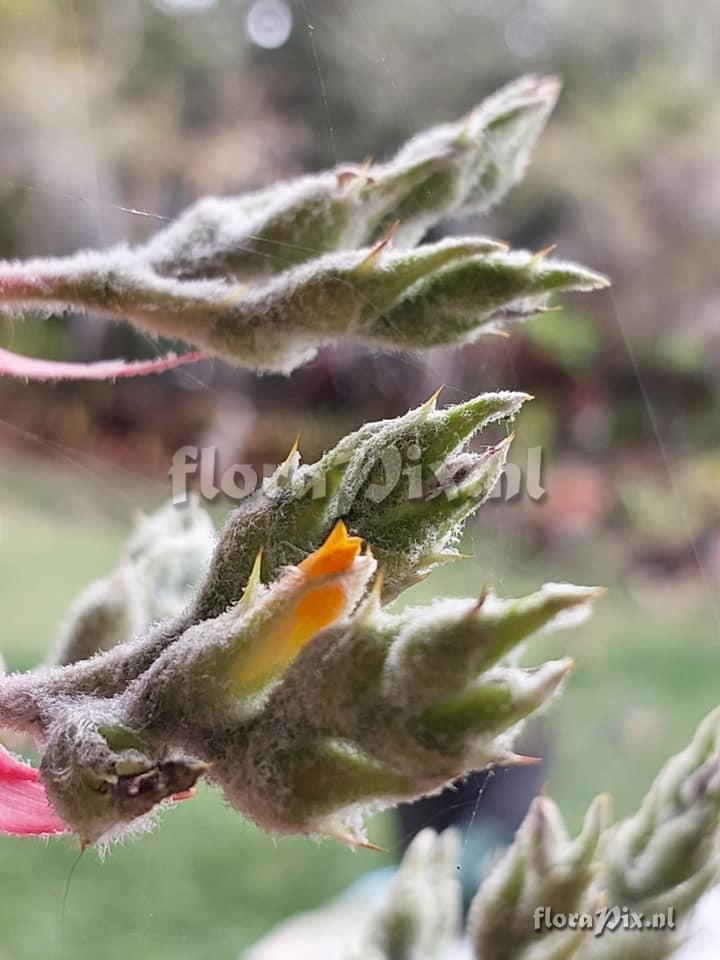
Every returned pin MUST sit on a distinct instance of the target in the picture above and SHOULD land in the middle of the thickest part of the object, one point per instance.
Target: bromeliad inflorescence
(303, 706)
(303, 698)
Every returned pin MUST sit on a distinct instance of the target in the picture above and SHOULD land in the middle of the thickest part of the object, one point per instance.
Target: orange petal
(335, 555)
(314, 610)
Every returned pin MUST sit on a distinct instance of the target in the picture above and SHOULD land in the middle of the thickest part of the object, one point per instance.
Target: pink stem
(32, 368)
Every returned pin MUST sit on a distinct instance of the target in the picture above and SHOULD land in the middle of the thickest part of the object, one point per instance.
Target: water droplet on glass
(269, 23)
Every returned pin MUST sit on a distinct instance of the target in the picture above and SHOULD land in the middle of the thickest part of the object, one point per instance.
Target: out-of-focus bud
(421, 916)
(157, 574)
(265, 280)
(416, 916)
(665, 857)
(543, 873)
(455, 168)
(108, 612)
(171, 551)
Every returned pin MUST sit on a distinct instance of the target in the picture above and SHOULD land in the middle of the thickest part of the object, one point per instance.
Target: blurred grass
(206, 883)
(202, 886)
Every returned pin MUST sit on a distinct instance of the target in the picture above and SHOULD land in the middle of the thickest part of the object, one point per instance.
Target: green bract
(543, 869)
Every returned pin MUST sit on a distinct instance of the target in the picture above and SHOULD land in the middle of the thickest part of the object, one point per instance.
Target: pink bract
(24, 807)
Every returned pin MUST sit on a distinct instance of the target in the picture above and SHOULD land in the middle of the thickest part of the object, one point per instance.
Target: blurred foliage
(107, 105)
(572, 339)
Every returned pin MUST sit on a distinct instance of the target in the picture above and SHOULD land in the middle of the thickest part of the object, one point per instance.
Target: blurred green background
(147, 105)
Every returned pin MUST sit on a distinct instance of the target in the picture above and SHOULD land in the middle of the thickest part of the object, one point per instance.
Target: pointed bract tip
(430, 404)
(540, 802)
(378, 584)
(253, 581)
(391, 231)
(368, 845)
(381, 245)
(372, 604)
(593, 592)
(502, 446)
(352, 175)
(480, 602)
(486, 408)
(345, 177)
(578, 278)
(289, 460)
(549, 86)
(600, 808)
(520, 760)
(541, 254)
